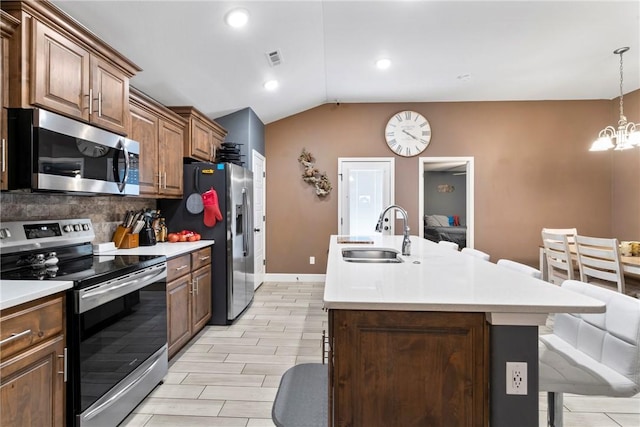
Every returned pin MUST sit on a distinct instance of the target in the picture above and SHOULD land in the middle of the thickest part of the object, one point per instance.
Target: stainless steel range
(116, 314)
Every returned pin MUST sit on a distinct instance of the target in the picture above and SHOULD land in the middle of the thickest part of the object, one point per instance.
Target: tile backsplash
(105, 212)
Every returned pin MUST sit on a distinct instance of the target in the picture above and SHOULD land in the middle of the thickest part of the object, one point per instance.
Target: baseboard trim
(277, 277)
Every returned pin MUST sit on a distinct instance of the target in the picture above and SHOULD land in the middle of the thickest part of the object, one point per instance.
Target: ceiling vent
(274, 58)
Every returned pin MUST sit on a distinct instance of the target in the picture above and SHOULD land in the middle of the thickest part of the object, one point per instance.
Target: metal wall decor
(313, 176)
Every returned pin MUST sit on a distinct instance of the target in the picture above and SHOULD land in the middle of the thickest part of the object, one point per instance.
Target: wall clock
(407, 133)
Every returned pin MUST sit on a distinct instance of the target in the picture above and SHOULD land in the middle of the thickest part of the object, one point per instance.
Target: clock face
(408, 133)
(91, 149)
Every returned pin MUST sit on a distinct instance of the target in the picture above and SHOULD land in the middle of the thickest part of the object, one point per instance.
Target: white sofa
(591, 354)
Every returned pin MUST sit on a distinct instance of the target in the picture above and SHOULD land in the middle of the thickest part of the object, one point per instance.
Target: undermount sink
(371, 255)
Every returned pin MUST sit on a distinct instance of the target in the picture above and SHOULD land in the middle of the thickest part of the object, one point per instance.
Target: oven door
(119, 345)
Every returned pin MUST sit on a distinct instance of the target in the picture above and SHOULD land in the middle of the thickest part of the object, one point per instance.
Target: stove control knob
(85, 227)
(67, 228)
(76, 227)
(4, 233)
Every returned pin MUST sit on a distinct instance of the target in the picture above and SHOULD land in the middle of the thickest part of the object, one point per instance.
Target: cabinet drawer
(30, 324)
(200, 258)
(178, 266)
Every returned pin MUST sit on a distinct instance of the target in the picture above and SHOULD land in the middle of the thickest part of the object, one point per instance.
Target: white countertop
(16, 292)
(167, 249)
(435, 278)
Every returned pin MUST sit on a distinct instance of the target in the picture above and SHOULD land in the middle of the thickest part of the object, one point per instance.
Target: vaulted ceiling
(440, 50)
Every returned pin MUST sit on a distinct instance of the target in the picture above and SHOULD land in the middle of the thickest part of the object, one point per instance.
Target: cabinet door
(171, 143)
(32, 386)
(144, 129)
(110, 91)
(201, 304)
(408, 368)
(60, 73)
(201, 140)
(178, 313)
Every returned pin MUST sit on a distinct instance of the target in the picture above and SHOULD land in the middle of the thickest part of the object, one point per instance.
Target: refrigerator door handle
(245, 225)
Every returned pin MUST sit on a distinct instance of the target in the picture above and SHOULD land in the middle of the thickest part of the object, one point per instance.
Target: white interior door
(259, 187)
(366, 187)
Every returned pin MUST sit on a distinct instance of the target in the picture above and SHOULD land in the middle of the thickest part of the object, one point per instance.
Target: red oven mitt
(212, 212)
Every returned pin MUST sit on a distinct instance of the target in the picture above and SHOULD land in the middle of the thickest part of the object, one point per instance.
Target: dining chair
(569, 232)
(476, 253)
(558, 255)
(521, 268)
(599, 261)
(450, 245)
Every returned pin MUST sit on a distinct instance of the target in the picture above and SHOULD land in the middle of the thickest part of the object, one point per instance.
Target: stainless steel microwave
(50, 152)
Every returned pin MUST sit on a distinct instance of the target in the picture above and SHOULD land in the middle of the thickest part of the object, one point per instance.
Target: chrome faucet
(406, 243)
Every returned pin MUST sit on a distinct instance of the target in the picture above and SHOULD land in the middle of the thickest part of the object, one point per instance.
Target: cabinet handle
(182, 267)
(90, 107)
(192, 289)
(165, 180)
(63, 356)
(3, 156)
(197, 280)
(212, 152)
(99, 104)
(204, 258)
(13, 337)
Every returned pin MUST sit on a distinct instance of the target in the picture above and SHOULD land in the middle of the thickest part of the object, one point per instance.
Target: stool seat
(302, 399)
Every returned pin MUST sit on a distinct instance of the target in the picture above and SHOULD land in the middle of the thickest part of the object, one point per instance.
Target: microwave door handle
(121, 184)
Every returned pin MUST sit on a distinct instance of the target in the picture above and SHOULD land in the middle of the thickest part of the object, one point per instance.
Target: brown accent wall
(532, 170)
(625, 197)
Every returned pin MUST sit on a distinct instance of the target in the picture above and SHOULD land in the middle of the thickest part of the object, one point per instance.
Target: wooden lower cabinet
(32, 387)
(398, 368)
(188, 297)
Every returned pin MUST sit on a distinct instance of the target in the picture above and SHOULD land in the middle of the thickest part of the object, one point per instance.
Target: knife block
(130, 241)
(123, 239)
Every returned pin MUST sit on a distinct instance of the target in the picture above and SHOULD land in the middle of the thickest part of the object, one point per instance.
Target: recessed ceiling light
(271, 84)
(237, 18)
(383, 63)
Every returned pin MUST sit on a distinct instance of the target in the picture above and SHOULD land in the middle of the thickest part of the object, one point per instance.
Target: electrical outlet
(516, 377)
(312, 260)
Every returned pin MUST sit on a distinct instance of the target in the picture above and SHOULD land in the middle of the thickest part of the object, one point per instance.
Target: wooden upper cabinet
(110, 92)
(144, 129)
(171, 137)
(68, 69)
(61, 73)
(160, 133)
(8, 25)
(203, 136)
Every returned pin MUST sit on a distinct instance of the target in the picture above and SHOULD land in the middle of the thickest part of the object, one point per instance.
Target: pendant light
(627, 134)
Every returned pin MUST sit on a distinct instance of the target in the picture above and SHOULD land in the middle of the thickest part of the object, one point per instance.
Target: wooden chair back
(599, 261)
(558, 254)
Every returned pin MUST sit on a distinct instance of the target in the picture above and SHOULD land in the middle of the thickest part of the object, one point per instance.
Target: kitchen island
(426, 341)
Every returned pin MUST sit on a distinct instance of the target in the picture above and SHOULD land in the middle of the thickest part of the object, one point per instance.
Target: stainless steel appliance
(232, 266)
(116, 314)
(50, 152)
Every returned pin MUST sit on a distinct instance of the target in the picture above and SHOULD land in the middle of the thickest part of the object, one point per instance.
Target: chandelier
(626, 135)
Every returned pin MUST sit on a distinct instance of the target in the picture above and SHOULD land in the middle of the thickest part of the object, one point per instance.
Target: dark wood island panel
(408, 368)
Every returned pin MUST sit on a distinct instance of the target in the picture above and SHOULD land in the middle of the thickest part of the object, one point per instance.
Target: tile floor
(228, 375)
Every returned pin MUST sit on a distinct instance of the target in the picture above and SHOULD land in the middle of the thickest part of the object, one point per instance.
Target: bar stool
(450, 245)
(521, 268)
(476, 253)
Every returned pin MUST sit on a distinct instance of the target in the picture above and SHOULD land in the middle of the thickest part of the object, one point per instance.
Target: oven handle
(116, 396)
(91, 298)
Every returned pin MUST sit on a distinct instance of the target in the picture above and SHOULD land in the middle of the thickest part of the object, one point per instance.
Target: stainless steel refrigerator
(232, 264)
